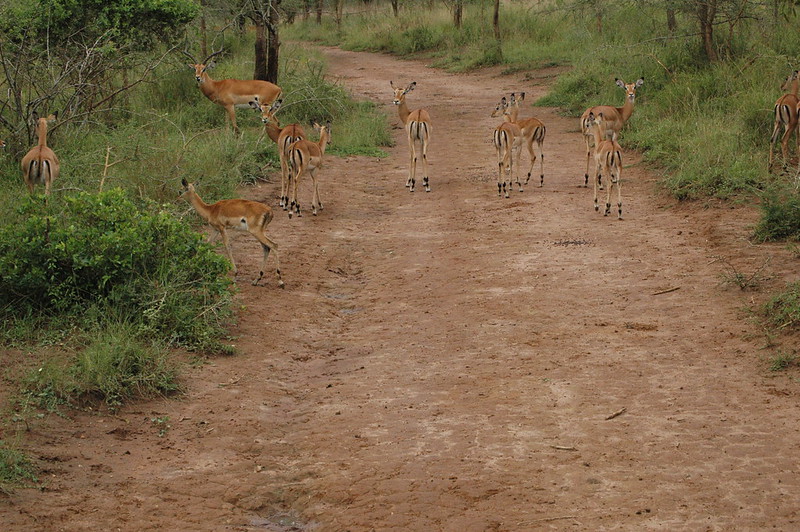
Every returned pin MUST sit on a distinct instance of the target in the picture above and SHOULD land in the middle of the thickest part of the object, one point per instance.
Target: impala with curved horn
(231, 93)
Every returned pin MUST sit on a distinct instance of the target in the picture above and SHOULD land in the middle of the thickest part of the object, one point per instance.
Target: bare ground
(450, 361)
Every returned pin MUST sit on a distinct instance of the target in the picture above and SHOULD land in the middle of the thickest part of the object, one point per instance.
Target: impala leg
(232, 117)
(588, 141)
(284, 179)
(596, 184)
(268, 245)
(314, 192)
(224, 234)
(541, 163)
(619, 192)
(425, 181)
(412, 166)
(533, 159)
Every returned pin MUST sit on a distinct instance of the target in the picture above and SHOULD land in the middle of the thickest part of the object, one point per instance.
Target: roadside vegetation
(101, 282)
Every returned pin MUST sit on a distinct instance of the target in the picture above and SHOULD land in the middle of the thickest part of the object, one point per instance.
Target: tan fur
(507, 138)
(40, 165)
(284, 137)
(306, 158)
(608, 161)
(418, 130)
(614, 119)
(246, 215)
(532, 130)
(786, 108)
(232, 93)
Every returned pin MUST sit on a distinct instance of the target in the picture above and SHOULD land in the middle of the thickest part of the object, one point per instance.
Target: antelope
(2, 143)
(507, 138)
(306, 157)
(533, 130)
(614, 119)
(246, 215)
(283, 137)
(231, 93)
(786, 115)
(40, 165)
(418, 129)
(608, 160)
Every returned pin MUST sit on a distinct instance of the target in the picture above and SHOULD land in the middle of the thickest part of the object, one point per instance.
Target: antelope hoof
(281, 283)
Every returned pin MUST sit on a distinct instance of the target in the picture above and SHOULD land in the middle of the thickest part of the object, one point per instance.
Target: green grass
(15, 468)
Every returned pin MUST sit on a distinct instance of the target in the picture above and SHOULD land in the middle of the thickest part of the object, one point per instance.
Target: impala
(418, 129)
(231, 93)
(40, 165)
(306, 157)
(533, 130)
(786, 115)
(507, 138)
(614, 119)
(608, 160)
(283, 137)
(246, 215)
(2, 143)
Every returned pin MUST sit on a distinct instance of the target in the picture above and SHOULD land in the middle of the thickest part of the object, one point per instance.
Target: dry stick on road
(418, 129)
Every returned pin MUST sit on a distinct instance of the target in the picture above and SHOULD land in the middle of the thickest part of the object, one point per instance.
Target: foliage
(783, 309)
(113, 366)
(780, 214)
(94, 253)
(15, 467)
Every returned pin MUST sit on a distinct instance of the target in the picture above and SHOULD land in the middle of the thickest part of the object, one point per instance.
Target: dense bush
(76, 260)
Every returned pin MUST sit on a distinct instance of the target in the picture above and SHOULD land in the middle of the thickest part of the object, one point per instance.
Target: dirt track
(447, 361)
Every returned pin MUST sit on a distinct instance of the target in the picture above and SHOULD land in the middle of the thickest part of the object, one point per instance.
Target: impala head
(2, 143)
(268, 113)
(400, 93)
(500, 108)
(630, 88)
(794, 76)
(201, 67)
(326, 129)
(186, 187)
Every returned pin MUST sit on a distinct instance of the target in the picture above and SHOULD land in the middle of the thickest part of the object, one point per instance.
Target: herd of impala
(600, 126)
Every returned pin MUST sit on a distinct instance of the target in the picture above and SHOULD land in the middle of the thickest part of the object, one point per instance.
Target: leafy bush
(780, 214)
(95, 253)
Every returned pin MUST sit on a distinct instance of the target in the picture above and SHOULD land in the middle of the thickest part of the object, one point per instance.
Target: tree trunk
(458, 9)
(706, 12)
(261, 62)
(395, 7)
(672, 22)
(496, 21)
(274, 42)
(339, 7)
(319, 11)
(203, 36)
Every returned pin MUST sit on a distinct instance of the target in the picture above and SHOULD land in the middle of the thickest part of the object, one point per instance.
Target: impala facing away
(608, 160)
(232, 93)
(306, 157)
(613, 119)
(246, 215)
(507, 138)
(40, 165)
(786, 114)
(283, 137)
(418, 129)
(533, 130)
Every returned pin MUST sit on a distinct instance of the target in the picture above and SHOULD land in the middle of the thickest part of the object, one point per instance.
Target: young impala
(532, 129)
(40, 165)
(786, 116)
(608, 160)
(306, 157)
(246, 215)
(507, 138)
(283, 137)
(614, 119)
(418, 129)
(231, 93)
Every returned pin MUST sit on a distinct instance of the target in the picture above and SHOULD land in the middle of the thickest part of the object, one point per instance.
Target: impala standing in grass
(232, 93)
(246, 215)
(418, 130)
(786, 113)
(40, 165)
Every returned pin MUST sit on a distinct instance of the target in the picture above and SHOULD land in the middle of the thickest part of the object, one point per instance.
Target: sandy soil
(450, 360)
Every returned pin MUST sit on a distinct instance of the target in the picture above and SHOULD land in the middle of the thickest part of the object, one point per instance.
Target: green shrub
(15, 467)
(783, 310)
(780, 214)
(93, 254)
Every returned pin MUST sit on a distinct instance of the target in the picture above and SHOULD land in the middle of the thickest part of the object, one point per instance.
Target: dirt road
(450, 361)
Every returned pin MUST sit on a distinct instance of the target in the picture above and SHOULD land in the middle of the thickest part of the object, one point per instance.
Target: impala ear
(277, 104)
(411, 87)
(521, 96)
(619, 82)
(255, 104)
(391, 84)
(209, 66)
(639, 82)
(191, 66)
(184, 183)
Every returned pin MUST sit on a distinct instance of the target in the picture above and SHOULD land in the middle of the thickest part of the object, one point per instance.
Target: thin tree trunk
(706, 12)
(458, 8)
(396, 7)
(261, 62)
(496, 21)
(319, 11)
(274, 44)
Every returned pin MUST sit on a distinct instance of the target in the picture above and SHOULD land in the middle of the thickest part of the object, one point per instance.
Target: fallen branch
(667, 291)
(564, 448)
(617, 413)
